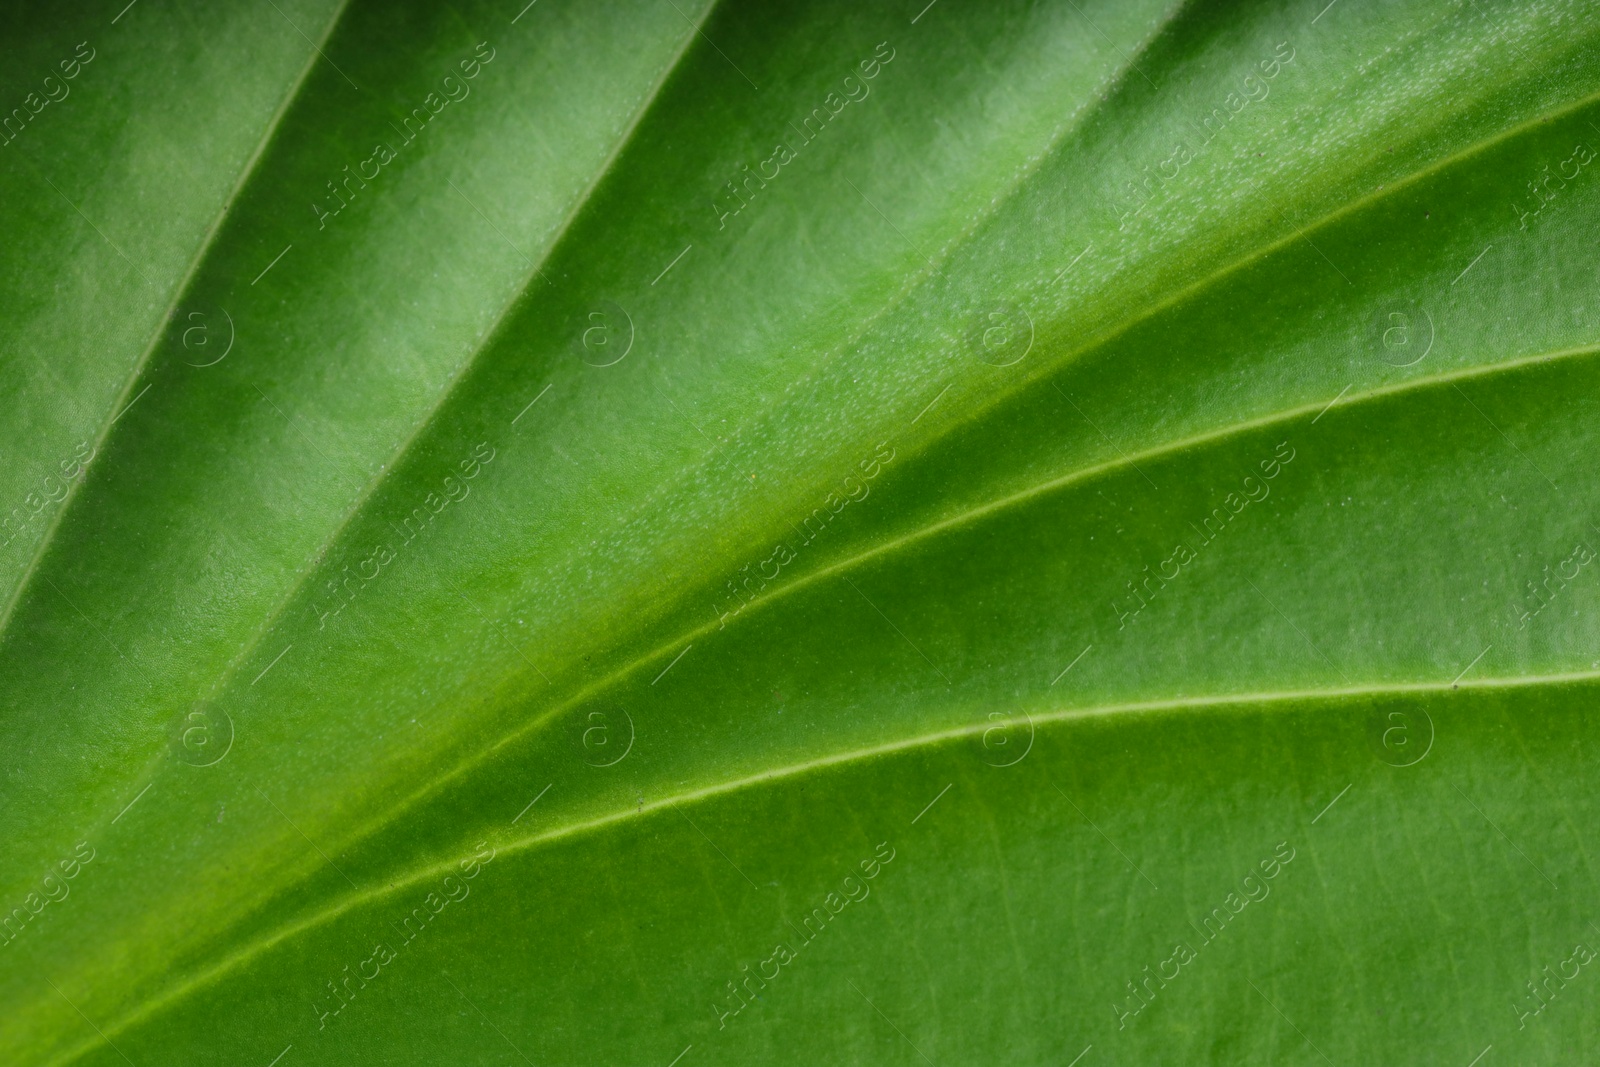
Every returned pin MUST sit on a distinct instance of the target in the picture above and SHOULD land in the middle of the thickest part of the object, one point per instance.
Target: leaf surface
(995, 533)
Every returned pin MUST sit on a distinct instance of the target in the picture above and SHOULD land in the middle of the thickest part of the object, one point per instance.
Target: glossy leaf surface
(818, 533)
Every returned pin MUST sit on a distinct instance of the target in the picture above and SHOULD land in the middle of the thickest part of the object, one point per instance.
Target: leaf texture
(989, 533)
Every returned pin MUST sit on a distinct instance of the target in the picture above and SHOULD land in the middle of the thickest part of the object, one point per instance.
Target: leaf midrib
(1172, 300)
(945, 253)
(925, 271)
(1256, 255)
(1082, 475)
(352, 515)
(1077, 477)
(418, 876)
(1175, 299)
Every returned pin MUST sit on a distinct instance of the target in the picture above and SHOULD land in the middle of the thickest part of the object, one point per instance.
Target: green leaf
(689, 533)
